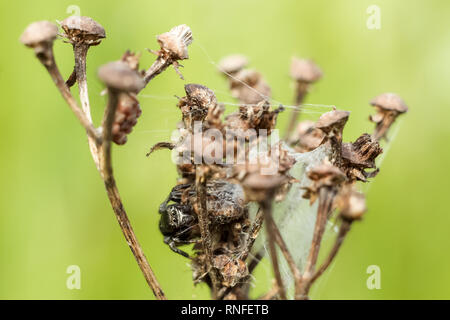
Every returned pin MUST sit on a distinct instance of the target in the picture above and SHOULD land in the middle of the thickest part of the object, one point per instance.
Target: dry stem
(80, 53)
(285, 251)
(65, 92)
(299, 97)
(343, 230)
(101, 152)
(203, 221)
(326, 197)
(106, 173)
(266, 206)
(156, 68)
(254, 232)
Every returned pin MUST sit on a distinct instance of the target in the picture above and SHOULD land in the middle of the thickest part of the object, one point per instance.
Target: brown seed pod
(388, 106)
(263, 177)
(332, 123)
(352, 204)
(359, 156)
(307, 137)
(127, 113)
(232, 270)
(196, 104)
(39, 33)
(304, 70)
(174, 44)
(119, 76)
(232, 64)
(40, 36)
(255, 117)
(323, 176)
(83, 30)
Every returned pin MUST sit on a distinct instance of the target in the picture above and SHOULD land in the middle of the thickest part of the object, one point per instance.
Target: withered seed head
(38, 33)
(304, 70)
(323, 175)
(175, 42)
(83, 30)
(362, 152)
(118, 75)
(388, 106)
(258, 186)
(233, 63)
(232, 270)
(390, 102)
(327, 174)
(200, 95)
(307, 137)
(334, 120)
(359, 156)
(195, 106)
(352, 204)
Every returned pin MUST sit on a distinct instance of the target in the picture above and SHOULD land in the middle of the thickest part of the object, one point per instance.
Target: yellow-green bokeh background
(53, 208)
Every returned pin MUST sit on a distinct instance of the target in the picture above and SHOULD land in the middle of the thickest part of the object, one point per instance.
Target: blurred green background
(55, 213)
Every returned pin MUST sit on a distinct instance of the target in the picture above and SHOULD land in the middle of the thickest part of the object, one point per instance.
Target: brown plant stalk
(83, 32)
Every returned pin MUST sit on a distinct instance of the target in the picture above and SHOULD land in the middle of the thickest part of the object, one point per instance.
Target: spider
(179, 224)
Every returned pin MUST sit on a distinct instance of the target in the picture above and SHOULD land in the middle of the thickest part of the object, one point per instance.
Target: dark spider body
(179, 224)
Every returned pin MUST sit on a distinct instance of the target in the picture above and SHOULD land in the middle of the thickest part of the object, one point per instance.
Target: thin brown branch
(203, 221)
(343, 230)
(266, 206)
(285, 251)
(65, 92)
(80, 53)
(300, 94)
(254, 232)
(156, 68)
(106, 172)
(271, 295)
(326, 197)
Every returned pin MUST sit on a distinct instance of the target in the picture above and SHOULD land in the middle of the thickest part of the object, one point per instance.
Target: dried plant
(224, 171)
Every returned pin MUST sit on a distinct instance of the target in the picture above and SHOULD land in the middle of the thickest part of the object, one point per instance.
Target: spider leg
(172, 245)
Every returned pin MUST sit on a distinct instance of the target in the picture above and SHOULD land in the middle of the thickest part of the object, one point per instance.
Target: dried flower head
(390, 102)
(119, 76)
(332, 122)
(359, 156)
(307, 137)
(352, 204)
(233, 63)
(388, 106)
(257, 117)
(40, 36)
(39, 33)
(232, 270)
(323, 175)
(263, 177)
(304, 70)
(196, 104)
(175, 42)
(127, 113)
(83, 30)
